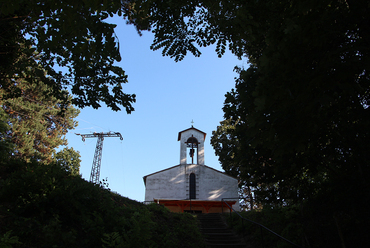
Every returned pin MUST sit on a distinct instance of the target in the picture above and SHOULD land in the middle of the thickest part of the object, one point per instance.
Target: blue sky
(169, 96)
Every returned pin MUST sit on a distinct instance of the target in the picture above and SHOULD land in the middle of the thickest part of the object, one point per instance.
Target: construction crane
(95, 170)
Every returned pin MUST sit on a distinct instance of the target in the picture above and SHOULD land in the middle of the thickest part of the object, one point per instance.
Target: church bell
(191, 153)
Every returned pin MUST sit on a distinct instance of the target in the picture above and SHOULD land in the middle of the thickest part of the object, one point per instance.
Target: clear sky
(169, 96)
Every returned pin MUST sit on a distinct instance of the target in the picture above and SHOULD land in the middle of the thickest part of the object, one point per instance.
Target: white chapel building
(192, 186)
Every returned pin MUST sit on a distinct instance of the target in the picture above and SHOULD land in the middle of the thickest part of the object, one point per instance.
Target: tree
(69, 159)
(71, 35)
(37, 119)
(302, 108)
(5, 144)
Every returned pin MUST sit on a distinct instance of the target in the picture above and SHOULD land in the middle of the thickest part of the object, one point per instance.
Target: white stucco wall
(173, 183)
(166, 184)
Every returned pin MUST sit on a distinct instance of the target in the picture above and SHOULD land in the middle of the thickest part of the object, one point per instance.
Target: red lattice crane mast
(95, 170)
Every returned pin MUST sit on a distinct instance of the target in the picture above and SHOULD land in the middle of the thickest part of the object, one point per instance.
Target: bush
(325, 221)
(44, 206)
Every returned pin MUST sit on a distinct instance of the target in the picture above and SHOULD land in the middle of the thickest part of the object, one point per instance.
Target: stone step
(213, 225)
(226, 245)
(231, 241)
(220, 238)
(216, 232)
(221, 235)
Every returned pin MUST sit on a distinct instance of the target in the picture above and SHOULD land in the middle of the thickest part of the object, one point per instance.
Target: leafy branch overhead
(72, 35)
(179, 28)
(78, 48)
(296, 122)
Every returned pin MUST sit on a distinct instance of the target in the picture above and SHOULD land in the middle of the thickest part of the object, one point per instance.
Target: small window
(192, 191)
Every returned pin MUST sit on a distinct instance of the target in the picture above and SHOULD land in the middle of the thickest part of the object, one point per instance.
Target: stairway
(216, 233)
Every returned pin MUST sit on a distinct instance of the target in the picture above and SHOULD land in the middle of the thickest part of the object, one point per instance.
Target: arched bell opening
(192, 150)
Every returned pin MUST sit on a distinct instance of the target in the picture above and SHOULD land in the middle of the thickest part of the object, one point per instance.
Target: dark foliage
(72, 35)
(45, 206)
(330, 220)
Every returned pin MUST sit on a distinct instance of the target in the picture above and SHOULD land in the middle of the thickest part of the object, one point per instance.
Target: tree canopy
(69, 159)
(37, 120)
(71, 35)
(299, 113)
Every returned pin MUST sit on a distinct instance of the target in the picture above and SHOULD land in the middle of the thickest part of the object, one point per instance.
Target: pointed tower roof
(179, 137)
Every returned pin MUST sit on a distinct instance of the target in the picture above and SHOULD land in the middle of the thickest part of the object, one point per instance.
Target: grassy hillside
(44, 206)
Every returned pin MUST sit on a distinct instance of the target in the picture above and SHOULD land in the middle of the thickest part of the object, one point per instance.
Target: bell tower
(192, 146)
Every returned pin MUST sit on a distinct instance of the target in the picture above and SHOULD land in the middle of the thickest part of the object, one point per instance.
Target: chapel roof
(144, 177)
(179, 136)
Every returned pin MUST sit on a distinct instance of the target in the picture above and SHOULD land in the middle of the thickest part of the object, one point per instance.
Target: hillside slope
(44, 206)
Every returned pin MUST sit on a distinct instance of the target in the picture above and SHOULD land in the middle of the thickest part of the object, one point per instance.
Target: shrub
(44, 206)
